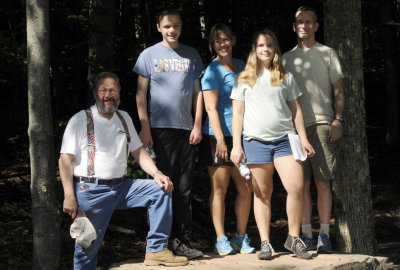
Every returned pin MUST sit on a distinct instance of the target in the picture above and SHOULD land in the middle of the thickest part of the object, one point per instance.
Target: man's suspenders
(91, 142)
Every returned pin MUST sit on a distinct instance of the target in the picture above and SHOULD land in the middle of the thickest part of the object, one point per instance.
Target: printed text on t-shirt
(171, 65)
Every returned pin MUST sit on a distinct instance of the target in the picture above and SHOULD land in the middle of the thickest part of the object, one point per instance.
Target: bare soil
(125, 238)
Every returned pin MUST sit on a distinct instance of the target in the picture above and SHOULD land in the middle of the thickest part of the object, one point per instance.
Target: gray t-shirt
(171, 74)
(315, 70)
(267, 115)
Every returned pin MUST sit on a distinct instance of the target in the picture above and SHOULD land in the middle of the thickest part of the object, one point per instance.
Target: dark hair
(216, 30)
(166, 12)
(307, 8)
(103, 75)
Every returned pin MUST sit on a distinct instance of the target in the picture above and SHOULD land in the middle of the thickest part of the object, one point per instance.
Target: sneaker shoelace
(225, 245)
(308, 241)
(185, 248)
(266, 246)
(246, 240)
(324, 239)
(299, 244)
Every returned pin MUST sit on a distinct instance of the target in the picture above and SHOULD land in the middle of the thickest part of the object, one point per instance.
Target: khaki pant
(322, 164)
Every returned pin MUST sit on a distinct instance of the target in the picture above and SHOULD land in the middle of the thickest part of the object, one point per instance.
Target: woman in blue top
(217, 84)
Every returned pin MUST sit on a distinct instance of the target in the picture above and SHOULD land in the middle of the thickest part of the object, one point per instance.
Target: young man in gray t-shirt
(170, 72)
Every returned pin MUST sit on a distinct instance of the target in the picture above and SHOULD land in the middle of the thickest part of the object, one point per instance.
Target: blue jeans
(99, 202)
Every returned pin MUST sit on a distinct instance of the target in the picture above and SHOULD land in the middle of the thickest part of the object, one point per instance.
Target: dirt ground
(125, 238)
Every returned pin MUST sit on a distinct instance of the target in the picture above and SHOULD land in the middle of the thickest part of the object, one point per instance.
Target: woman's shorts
(264, 152)
(207, 150)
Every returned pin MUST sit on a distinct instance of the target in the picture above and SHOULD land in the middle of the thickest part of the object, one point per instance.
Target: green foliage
(394, 23)
(16, 209)
(62, 123)
(135, 172)
(14, 139)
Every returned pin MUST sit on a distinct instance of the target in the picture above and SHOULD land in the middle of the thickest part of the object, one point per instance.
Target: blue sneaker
(311, 244)
(223, 247)
(242, 244)
(324, 244)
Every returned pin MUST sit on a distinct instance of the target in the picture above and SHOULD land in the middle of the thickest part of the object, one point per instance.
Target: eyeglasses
(104, 91)
(222, 41)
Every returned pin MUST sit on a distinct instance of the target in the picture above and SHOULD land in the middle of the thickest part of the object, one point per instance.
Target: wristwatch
(157, 172)
(339, 118)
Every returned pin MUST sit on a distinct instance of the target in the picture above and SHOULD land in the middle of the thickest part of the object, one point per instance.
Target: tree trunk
(391, 73)
(45, 211)
(101, 40)
(351, 187)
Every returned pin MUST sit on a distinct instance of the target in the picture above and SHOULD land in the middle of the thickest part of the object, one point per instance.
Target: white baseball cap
(83, 231)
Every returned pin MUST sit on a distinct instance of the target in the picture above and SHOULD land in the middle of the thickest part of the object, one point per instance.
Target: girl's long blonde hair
(253, 66)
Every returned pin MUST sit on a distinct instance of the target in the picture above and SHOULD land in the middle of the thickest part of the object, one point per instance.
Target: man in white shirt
(93, 162)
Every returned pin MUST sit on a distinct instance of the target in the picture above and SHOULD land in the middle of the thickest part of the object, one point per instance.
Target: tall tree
(352, 187)
(45, 212)
(387, 7)
(101, 39)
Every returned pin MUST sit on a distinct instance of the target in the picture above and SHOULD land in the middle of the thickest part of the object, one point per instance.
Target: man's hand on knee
(164, 181)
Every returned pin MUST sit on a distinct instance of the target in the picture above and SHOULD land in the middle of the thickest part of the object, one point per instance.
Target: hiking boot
(165, 257)
(242, 244)
(324, 244)
(297, 246)
(223, 247)
(185, 249)
(266, 251)
(311, 244)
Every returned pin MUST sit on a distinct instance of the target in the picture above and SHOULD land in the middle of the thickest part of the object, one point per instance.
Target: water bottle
(244, 170)
(151, 152)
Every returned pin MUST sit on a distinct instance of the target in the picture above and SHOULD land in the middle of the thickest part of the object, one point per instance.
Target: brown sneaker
(165, 257)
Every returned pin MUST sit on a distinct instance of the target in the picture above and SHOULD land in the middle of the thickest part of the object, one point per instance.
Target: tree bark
(101, 40)
(351, 186)
(45, 212)
(391, 73)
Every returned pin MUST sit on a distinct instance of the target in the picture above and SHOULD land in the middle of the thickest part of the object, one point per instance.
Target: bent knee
(220, 193)
(323, 185)
(297, 190)
(263, 195)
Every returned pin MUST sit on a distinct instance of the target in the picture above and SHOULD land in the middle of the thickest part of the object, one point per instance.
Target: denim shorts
(264, 152)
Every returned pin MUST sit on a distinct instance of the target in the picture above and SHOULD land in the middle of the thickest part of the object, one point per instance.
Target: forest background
(130, 27)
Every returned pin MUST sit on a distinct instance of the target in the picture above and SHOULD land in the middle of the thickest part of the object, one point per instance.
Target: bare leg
(291, 174)
(242, 201)
(219, 178)
(324, 201)
(307, 206)
(262, 188)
